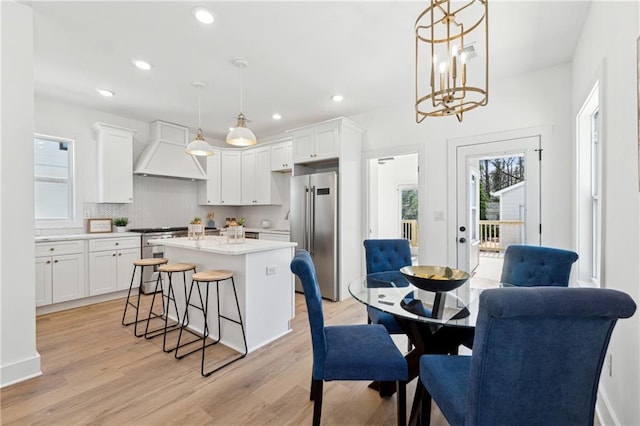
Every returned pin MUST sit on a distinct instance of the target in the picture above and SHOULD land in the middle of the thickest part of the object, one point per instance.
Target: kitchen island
(264, 283)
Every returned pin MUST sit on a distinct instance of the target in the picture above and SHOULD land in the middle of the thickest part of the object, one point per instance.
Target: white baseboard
(20, 371)
(62, 306)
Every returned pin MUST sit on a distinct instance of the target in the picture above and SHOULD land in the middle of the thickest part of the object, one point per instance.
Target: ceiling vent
(470, 50)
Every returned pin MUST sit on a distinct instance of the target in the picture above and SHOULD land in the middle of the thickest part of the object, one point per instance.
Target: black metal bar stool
(208, 277)
(169, 269)
(153, 262)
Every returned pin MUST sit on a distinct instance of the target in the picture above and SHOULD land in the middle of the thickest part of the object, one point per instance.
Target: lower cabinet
(111, 264)
(274, 236)
(59, 278)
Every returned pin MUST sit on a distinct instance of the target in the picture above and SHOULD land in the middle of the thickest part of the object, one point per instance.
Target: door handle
(463, 240)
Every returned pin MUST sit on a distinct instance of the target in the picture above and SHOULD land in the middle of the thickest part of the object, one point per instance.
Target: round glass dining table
(435, 322)
(391, 292)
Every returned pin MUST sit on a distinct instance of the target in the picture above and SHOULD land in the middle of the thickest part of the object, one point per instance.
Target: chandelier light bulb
(203, 15)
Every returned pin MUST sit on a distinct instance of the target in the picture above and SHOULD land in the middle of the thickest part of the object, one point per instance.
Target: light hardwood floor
(96, 372)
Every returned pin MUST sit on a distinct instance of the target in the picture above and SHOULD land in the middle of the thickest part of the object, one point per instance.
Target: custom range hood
(165, 154)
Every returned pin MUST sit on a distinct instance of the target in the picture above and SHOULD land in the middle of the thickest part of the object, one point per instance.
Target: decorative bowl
(434, 278)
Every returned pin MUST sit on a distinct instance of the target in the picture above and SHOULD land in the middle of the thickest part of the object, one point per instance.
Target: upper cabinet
(241, 178)
(115, 163)
(230, 175)
(209, 190)
(222, 186)
(256, 176)
(315, 143)
(281, 158)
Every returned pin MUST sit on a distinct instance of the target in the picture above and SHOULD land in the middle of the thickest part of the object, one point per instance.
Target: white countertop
(48, 238)
(219, 245)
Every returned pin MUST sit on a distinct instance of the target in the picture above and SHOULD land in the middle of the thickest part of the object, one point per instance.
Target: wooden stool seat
(177, 267)
(212, 275)
(153, 261)
(141, 264)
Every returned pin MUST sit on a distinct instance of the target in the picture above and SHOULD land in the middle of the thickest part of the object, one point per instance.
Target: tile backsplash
(159, 201)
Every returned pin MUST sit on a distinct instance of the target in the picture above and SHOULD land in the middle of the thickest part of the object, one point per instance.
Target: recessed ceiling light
(203, 15)
(143, 65)
(106, 93)
(276, 116)
(337, 98)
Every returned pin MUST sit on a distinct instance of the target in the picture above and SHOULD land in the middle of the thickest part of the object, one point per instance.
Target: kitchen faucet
(286, 217)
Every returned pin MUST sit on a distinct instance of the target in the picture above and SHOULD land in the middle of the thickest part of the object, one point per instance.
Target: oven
(148, 250)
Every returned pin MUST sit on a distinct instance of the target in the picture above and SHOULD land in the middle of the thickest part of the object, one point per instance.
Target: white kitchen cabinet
(315, 143)
(281, 160)
(111, 263)
(60, 269)
(114, 163)
(256, 176)
(274, 236)
(230, 178)
(338, 144)
(209, 190)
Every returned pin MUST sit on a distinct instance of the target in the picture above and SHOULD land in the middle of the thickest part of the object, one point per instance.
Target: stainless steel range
(148, 250)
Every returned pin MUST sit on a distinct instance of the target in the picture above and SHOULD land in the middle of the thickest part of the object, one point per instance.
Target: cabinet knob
(55, 261)
(114, 255)
(48, 262)
(51, 249)
(117, 243)
(119, 254)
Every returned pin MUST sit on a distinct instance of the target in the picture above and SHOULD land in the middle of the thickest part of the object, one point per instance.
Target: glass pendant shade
(199, 147)
(241, 135)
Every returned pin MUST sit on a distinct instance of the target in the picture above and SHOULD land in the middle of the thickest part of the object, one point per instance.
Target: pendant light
(448, 34)
(241, 135)
(198, 146)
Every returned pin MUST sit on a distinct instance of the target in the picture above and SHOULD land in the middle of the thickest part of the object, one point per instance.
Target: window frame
(74, 218)
(589, 184)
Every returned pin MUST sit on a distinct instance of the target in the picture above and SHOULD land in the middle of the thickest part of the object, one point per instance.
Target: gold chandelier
(457, 82)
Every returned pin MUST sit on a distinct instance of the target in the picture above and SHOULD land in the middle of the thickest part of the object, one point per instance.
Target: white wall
(540, 98)
(607, 50)
(18, 356)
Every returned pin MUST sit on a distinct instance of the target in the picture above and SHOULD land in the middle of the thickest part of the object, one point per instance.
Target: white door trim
(543, 132)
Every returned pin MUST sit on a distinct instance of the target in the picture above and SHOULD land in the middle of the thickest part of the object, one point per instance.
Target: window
(595, 198)
(54, 181)
(589, 192)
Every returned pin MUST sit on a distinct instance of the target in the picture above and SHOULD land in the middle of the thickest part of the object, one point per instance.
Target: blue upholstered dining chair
(537, 358)
(382, 256)
(347, 352)
(529, 266)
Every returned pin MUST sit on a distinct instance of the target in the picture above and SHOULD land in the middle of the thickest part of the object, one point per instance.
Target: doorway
(393, 199)
(497, 203)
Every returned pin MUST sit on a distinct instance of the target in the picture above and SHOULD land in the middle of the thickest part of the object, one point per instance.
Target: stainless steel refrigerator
(314, 226)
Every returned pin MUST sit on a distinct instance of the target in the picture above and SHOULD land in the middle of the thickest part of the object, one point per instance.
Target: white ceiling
(299, 54)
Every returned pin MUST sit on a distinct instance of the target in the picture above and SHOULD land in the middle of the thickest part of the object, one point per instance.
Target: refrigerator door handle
(305, 234)
(313, 219)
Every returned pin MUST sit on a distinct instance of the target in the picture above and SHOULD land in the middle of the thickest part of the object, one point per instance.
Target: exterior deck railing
(410, 231)
(496, 235)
